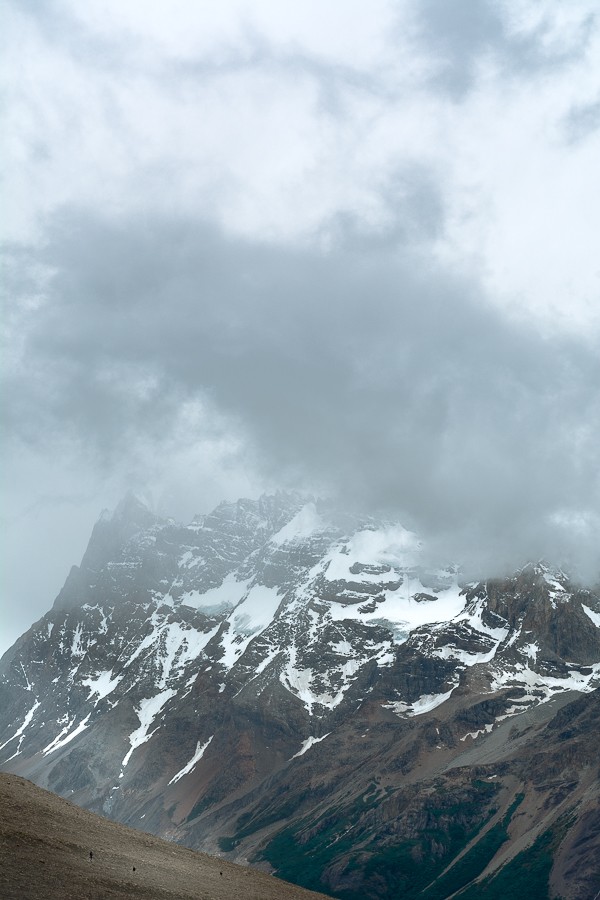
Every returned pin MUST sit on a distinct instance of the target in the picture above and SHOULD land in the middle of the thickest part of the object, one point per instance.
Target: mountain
(45, 847)
(284, 684)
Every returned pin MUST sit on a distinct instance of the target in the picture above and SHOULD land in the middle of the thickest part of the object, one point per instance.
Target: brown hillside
(45, 845)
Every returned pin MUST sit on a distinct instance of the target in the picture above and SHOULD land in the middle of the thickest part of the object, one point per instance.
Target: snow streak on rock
(147, 712)
(198, 754)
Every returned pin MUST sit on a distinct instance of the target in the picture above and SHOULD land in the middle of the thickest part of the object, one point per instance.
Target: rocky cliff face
(287, 685)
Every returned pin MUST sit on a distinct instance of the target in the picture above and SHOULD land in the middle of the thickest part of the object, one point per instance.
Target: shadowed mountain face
(282, 684)
(52, 850)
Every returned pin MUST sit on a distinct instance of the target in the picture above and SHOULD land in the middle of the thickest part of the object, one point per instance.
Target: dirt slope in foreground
(45, 845)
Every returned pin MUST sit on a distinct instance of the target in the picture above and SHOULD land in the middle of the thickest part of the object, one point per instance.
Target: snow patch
(252, 615)
(299, 682)
(474, 618)
(198, 754)
(556, 586)
(343, 648)
(423, 705)
(148, 710)
(428, 702)
(475, 734)
(308, 743)
(594, 616)
(66, 736)
(530, 650)
(101, 684)
(464, 656)
(394, 546)
(401, 612)
(267, 660)
(186, 560)
(172, 645)
(542, 688)
(19, 732)
(304, 524)
(219, 599)
(76, 647)
(28, 684)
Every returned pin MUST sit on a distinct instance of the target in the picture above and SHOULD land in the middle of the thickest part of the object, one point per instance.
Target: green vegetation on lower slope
(472, 864)
(397, 859)
(527, 875)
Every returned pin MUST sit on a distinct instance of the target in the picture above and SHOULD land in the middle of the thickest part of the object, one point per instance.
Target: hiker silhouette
(91, 855)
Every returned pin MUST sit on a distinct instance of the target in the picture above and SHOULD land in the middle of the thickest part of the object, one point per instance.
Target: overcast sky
(345, 247)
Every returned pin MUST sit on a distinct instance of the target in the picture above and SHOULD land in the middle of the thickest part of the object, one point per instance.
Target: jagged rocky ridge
(299, 688)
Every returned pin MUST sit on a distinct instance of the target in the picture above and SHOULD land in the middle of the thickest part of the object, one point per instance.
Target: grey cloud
(458, 34)
(365, 369)
(415, 214)
(582, 121)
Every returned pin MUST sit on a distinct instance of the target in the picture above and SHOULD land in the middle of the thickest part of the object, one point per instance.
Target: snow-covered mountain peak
(276, 618)
(187, 671)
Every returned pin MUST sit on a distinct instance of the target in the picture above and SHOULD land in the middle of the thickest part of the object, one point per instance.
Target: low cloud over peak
(387, 383)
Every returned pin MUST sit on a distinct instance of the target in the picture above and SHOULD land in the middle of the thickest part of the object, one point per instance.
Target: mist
(391, 385)
(349, 251)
